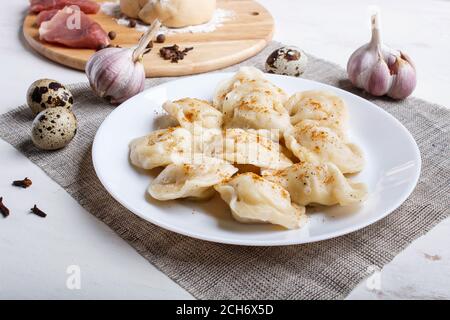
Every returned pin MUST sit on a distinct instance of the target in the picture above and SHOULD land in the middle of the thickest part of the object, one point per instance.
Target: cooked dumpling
(315, 183)
(254, 199)
(161, 148)
(324, 107)
(245, 74)
(225, 86)
(242, 147)
(254, 105)
(272, 134)
(194, 112)
(190, 180)
(309, 141)
(250, 101)
(205, 141)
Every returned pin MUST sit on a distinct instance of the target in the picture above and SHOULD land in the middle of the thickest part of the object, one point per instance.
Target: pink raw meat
(89, 34)
(87, 6)
(45, 16)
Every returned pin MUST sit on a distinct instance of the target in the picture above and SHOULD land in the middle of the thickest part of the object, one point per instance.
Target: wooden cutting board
(239, 38)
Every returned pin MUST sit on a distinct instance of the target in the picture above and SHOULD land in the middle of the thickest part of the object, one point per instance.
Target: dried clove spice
(173, 53)
(3, 209)
(25, 183)
(38, 212)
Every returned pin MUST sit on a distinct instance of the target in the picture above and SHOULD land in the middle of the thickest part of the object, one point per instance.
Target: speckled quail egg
(47, 93)
(289, 61)
(53, 128)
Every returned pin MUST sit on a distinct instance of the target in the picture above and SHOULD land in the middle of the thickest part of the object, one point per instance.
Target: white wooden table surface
(34, 265)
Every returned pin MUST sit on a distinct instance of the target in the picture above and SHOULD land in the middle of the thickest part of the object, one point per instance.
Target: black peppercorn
(160, 38)
(112, 35)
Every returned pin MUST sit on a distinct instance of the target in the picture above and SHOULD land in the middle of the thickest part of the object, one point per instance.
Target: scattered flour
(220, 16)
(111, 8)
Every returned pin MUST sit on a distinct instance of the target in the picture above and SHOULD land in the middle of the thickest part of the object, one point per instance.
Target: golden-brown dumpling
(254, 105)
(161, 148)
(242, 147)
(318, 183)
(245, 74)
(309, 141)
(273, 134)
(194, 112)
(253, 199)
(326, 108)
(190, 180)
(248, 100)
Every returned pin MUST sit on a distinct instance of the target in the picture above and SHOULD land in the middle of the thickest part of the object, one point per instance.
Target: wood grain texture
(238, 39)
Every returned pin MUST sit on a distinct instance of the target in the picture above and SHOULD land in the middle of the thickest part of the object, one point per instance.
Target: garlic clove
(123, 90)
(404, 78)
(360, 61)
(378, 81)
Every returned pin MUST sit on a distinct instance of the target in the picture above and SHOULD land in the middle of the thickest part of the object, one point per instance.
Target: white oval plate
(391, 172)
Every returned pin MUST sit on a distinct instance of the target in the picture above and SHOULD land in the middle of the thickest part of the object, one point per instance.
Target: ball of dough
(131, 8)
(172, 13)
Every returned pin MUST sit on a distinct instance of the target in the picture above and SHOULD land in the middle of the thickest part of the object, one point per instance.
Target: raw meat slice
(87, 6)
(45, 16)
(63, 29)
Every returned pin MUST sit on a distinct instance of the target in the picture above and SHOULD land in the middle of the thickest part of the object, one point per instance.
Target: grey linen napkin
(324, 270)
